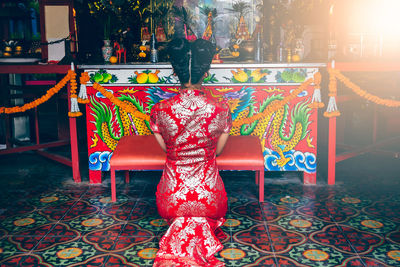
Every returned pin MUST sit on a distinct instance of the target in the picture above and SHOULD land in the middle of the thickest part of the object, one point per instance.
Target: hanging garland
(316, 101)
(332, 110)
(52, 91)
(120, 104)
(82, 97)
(364, 94)
(74, 110)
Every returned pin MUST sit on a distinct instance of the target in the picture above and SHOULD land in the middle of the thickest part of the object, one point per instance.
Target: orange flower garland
(316, 101)
(274, 106)
(121, 104)
(40, 100)
(74, 111)
(332, 110)
(82, 97)
(364, 94)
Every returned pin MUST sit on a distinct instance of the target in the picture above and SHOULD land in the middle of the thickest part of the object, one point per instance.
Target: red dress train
(191, 195)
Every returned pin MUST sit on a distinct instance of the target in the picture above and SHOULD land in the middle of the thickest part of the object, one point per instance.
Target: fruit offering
(143, 48)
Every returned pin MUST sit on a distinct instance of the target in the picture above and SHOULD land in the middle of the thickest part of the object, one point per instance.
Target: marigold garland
(120, 104)
(40, 100)
(274, 106)
(316, 101)
(364, 94)
(82, 97)
(74, 110)
(332, 110)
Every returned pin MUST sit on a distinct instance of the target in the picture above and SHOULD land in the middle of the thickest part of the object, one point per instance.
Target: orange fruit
(296, 58)
(153, 78)
(142, 77)
(113, 59)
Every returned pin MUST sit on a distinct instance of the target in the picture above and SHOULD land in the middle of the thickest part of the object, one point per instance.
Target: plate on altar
(19, 60)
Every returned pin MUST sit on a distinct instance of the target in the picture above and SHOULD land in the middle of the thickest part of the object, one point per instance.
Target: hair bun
(202, 53)
(178, 50)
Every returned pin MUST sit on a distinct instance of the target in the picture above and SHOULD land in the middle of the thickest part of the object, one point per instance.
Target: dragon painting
(280, 131)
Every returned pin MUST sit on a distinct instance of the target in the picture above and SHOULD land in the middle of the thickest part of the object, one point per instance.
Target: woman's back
(190, 125)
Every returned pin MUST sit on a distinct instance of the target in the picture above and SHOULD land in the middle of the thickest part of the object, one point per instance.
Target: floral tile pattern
(55, 222)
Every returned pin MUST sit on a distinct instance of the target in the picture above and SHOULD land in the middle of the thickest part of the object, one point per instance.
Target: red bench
(142, 152)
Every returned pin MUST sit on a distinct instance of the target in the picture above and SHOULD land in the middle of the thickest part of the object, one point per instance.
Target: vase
(299, 48)
(107, 50)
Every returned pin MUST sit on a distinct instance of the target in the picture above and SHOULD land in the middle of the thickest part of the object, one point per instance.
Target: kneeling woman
(192, 128)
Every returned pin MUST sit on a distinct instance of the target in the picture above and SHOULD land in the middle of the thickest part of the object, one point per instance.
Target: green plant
(118, 15)
(240, 7)
(161, 13)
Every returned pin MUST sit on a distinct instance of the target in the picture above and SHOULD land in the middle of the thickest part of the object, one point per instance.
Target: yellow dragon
(271, 128)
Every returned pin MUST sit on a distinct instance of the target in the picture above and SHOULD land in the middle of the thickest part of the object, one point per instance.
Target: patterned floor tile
(69, 210)
(387, 253)
(142, 254)
(68, 253)
(260, 211)
(118, 237)
(385, 209)
(50, 199)
(8, 249)
(235, 254)
(106, 260)
(368, 223)
(23, 222)
(362, 242)
(291, 201)
(44, 237)
(55, 222)
(333, 236)
(256, 236)
(92, 222)
(25, 260)
(236, 223)
(283, 240)
(327, 211)
(300, 223)
(131, 210)
(394, 236)
(352, 201)
(312, 254)
(15, 208)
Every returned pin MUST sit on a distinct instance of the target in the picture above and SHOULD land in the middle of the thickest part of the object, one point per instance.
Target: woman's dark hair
(198, 54)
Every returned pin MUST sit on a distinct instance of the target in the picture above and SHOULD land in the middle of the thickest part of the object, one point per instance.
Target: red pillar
(76, 175)
(332, 151)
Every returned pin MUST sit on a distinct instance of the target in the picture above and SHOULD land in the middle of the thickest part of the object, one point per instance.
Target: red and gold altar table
(288, 135)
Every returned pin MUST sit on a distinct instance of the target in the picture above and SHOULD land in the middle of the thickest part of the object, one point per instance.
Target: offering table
(288, 135)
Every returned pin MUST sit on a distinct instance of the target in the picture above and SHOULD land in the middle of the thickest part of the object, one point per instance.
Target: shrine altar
(288, 135)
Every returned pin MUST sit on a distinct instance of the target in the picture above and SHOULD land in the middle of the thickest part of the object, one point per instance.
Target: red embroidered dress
(191, 195)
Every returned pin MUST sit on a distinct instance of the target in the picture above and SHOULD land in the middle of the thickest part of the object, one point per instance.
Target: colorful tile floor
(47, 220)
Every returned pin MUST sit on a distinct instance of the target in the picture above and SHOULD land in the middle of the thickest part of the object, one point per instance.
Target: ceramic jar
(107, 50)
